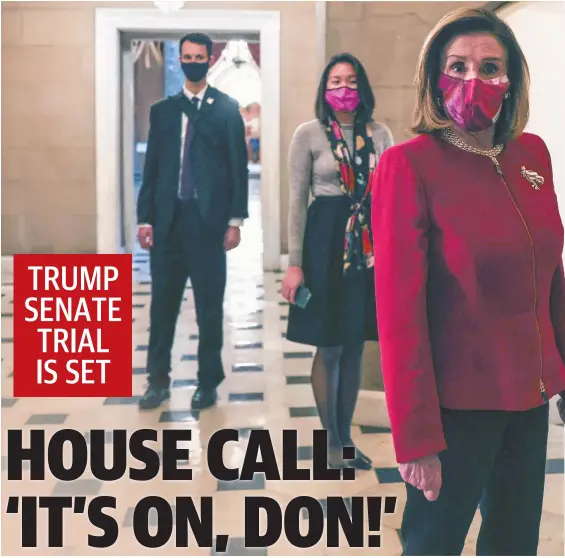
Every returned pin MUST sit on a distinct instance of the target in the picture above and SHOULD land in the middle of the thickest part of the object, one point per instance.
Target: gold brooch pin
(533, 178)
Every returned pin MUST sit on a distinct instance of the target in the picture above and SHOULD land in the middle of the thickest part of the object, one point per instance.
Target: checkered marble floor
(267, 387)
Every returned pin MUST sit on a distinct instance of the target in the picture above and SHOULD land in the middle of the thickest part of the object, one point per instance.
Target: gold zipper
(534, 270)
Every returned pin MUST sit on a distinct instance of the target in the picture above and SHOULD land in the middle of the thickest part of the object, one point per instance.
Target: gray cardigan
(312, 170)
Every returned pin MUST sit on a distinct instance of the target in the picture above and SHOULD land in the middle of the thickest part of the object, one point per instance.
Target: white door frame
(108, 25)
(127, 148)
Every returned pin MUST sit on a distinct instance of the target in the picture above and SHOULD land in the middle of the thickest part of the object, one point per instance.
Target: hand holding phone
(294, 277)
(302, 297)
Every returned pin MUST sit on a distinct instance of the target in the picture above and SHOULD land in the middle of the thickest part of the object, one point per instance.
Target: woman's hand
(292, 280)
(424, 474)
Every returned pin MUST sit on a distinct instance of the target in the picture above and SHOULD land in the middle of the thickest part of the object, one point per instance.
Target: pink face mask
(343, 99)
(473, 104)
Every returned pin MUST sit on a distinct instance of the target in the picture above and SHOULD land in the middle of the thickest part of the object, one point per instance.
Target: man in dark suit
(192, 202)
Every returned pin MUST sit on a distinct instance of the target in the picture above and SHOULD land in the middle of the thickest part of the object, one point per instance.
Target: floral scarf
(355, 172)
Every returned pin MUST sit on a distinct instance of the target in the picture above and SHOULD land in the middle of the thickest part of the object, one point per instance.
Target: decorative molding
(169, 6)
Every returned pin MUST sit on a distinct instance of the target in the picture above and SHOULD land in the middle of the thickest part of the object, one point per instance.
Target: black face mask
(195, 71)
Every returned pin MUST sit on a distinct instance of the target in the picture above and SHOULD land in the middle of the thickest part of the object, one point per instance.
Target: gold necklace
(448, 135)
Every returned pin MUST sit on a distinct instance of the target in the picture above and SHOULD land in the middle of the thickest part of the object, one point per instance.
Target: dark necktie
(187, 186)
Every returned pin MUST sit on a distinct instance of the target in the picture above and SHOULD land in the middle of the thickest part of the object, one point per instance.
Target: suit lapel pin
(210, 100)
(533, 178)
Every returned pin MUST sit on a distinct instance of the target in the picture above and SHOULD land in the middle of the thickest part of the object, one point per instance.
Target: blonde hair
(429, 116)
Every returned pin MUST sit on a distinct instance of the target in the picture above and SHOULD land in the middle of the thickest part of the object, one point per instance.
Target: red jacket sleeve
(557, 294)
(557, 310)
(400, 235)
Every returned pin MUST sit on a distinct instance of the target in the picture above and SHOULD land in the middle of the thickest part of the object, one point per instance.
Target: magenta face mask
(473, 104)
(343, 99)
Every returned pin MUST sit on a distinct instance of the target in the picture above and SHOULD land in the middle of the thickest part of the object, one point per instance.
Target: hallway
(267, 387)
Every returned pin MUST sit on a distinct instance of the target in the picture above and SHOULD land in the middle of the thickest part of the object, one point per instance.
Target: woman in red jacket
(470, 289)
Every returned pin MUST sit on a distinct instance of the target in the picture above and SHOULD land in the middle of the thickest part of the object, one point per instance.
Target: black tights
(336, 379)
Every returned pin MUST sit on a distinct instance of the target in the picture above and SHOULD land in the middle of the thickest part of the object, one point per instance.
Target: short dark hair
(367, 99)
(197, 39)
(429, 116)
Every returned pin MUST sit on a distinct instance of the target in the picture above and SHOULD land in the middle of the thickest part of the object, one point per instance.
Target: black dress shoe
(361, 464)
(153, 398)
(204, 399)
(361, 461)
(335, 459)
(338, 464)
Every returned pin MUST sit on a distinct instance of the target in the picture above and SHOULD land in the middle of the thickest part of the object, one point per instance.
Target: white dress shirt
(200, 96)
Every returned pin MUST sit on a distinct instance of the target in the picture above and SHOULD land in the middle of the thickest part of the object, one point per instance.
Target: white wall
(540, 30)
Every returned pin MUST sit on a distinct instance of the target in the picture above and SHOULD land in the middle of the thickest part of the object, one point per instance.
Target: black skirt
(342, 308)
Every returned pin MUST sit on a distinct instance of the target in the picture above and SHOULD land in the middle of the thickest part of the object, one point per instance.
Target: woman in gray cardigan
(333, 158)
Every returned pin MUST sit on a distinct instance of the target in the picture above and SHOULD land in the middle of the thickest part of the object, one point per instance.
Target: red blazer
(469, 285)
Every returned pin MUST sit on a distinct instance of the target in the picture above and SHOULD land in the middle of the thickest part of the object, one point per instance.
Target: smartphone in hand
(302, 297)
